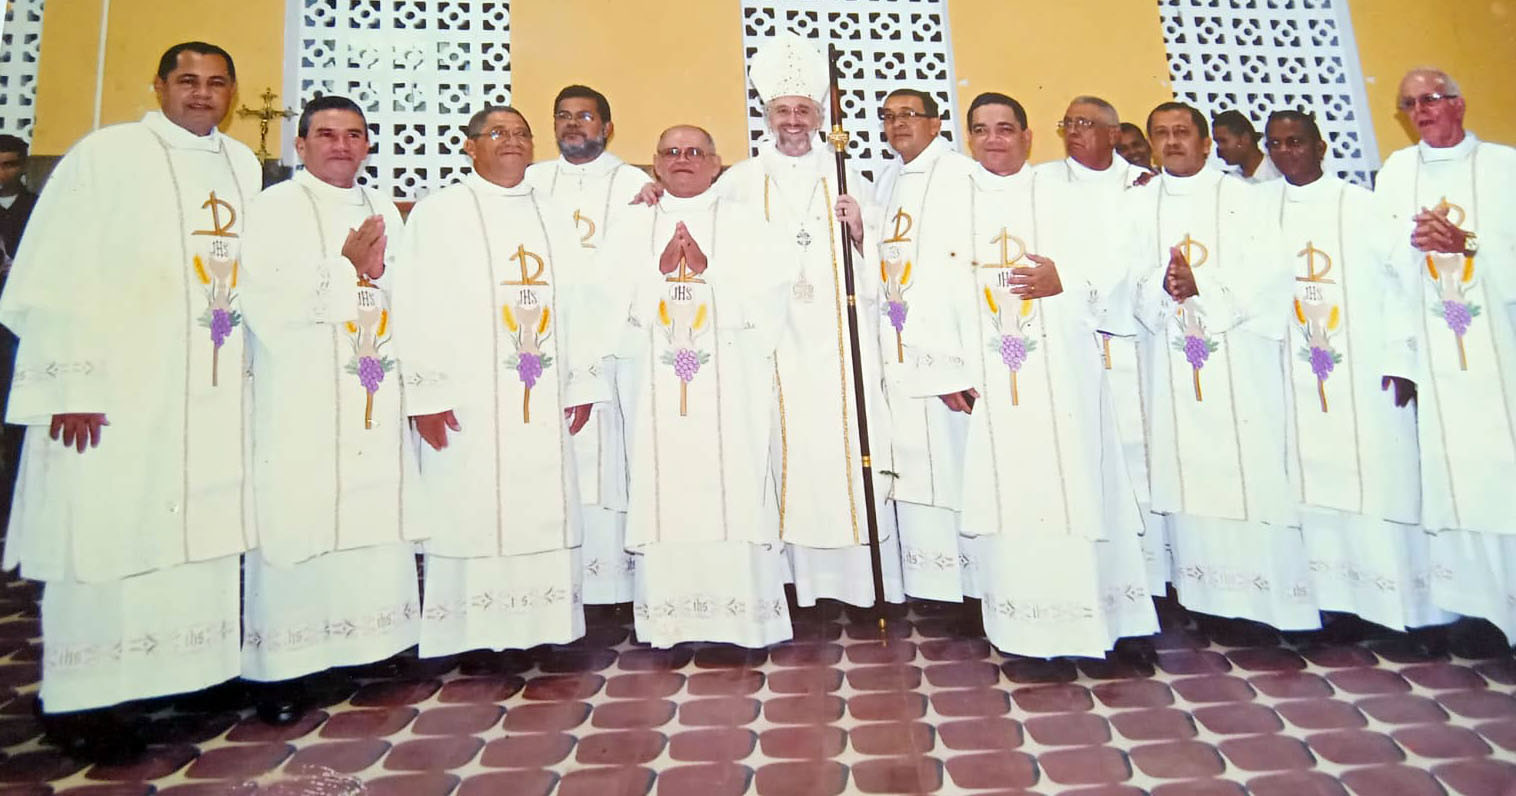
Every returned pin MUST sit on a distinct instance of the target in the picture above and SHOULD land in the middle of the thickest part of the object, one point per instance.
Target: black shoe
(1137, 651)
(283, 703)
(96, 736)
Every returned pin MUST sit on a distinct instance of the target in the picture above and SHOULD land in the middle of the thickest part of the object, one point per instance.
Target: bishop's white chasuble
(695, 359)
(595, 192)
(492, 301)
(333, 582)
(1215, 393)
(1461, 352)
(125, 297)
(926, 438)
(815, 464)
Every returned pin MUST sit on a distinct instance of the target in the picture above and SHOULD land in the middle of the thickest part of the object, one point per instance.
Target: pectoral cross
(265, 115)
(1311, 274)
(529, 275)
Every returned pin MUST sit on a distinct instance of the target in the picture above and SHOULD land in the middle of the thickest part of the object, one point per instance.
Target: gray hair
(709, 139)
(476, 122)
(1106, 109)
(820, 112)
(1449, 85)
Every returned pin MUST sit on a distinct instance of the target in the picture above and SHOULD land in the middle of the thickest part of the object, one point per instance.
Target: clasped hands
(1435, 233)
(682, 247)
(364, 248)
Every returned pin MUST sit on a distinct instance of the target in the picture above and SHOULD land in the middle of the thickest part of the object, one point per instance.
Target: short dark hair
(327, 102)
(1234, 120)
(1174, 105)
(585, 92)
(476, 122)
(996, 98)
(1305, 119)
(1128, 127)
(170, 57)
(928, 103)
(10, 143)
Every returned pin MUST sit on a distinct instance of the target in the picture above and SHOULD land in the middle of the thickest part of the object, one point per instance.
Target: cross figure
(265, 115)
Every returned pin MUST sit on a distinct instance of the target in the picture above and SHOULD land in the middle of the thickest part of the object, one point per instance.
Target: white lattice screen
(884, 44)
(19, 49)
(1257, 56)
(418, 68)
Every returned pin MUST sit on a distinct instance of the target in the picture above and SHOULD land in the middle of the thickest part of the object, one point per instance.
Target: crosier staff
(839, 140)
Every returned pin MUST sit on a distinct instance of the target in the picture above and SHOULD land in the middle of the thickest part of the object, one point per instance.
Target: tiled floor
(931, 709)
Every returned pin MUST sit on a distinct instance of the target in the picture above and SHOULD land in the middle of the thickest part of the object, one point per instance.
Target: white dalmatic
(816, 458)
(494, 292)
(926, 438)
(695, 355)
(1043, 475)
(1215, 393)
(595, 192)
(1461, 352)
(333, 582)
(125, 297)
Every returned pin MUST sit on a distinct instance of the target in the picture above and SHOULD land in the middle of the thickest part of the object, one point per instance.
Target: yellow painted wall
(138, 33)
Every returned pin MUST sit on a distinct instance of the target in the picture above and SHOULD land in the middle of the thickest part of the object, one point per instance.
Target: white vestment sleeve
(426, 328)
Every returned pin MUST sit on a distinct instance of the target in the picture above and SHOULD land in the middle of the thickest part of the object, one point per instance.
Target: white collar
(928, 156)
(1316, 191)
(1178, 186)
(986, 180)
(488, 188)
(327, 192)
(1458, 151)
(776, 162)
(604, 163)
(679, 205)
(180, 138)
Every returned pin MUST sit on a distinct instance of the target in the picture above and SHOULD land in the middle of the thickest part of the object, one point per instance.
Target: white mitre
(788, 65)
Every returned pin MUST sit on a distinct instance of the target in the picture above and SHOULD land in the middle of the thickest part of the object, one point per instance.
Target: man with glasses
(700, 304)
(1452, 197)
(922, 383)
(500, 361)
(590, 182)
(815, 464)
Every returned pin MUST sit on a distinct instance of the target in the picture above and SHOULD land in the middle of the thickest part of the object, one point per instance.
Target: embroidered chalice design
(218, 275)
(367, 334)
(1453, 275)
(1196, 345)
(1010, 314)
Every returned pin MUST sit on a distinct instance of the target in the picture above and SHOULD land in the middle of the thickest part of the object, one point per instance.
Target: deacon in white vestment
(1353, 448)
(1047, 501)
(595, 184)
(496, 345)
(926, 431)
(700, 306)
(815, 464)
(1453, 197)
(125, 297)
(1092, 188)
(1208, 292)
(333, 581)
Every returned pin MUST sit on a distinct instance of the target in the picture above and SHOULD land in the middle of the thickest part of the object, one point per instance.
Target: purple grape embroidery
(1196, 347)
(529, 369)
(370, 373)
(1455, 309)
(1322, 361)
(686, 363)
(896, 311)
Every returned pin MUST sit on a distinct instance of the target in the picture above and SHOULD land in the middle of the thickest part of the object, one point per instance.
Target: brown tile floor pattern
(931, 709)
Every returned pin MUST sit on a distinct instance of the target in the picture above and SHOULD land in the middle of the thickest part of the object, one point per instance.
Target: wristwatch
(1470, 244)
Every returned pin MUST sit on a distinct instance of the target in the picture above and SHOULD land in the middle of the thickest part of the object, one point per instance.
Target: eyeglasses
(675, 153)
(1078, 123)
(908, 114)
(1409, 104)
(583, 116)
(500, 132)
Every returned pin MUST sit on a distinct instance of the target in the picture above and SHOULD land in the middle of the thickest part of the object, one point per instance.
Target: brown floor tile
(819, 778)
(718, 711)
(1386, 780)
(869, 630)
(1500, 670)
(158, 761)
(963, 674)
(1478, 777)
(114, 789)
(993, 770)
(1178, 760)
(1402, 709)
(563, 687)
(1200, 787)
(344, 757)
(1133, 694)
(1101, 669)
(1501, 733)
(495, 688)
(1266, 659)
(372, 723)
(724, 682)
(532, 750)
(457, 720)
(567, 660)
(1339, 657)
(729, 656)
(1068, 729)
(986, 733)
(806, 654)
(618, 780)
(815, 631)
(1368, 681)
(892, 651)
(394, 693)
(1267, 753)
(1441, 741)
(893, 738)
(1156, 724)
(971, 702)
(1479, 704)
(1291, 685)
(433, 754)
(1238, 719)
(1443, 676)
(1181, 662)
(22, 705)
(627, 747)
(253, 730)
(805, 680)
(810, 709)
(1321, 714)
(485, 663)
(1213, 688)
(883, 678)
(248, 788)
(723, 779)
(655, 660)
(887, 706)
(1036, 670)
(192, 728)
(546, 716)
(432, 783)
(230, 762)
(1090, 765)
(721, 744)
(633, 714)
(1355, 747)
(955, 649)
(1052, 698)
(645, 685)
(1101, 790)
(805, 742)
(1296, 783)
(898, 775)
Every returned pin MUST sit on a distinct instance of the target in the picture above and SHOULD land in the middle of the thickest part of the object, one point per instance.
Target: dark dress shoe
(1138, 651)
(96, 736)
(282, 704)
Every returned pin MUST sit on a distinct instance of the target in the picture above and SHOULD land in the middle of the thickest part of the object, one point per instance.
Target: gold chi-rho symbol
(219, 229)
(1188, 246)
(1310, 253)
(589, 232)
(530, 274)
(903, 223)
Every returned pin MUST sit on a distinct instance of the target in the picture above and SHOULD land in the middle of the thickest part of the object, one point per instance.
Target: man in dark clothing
(16, 203)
